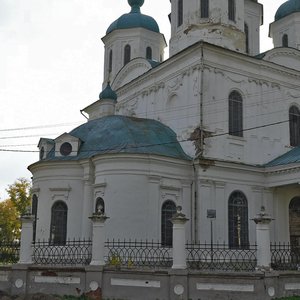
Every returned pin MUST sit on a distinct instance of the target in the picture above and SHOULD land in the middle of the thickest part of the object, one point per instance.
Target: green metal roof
(261, 55)
(134, 19)
(108, 93)
(120, 134)
(291, 157)
(287, 8)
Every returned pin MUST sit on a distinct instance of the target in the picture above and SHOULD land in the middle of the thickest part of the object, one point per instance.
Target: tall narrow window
(179, 13)
(231, 10)
(110, 60)
(285, 40)
(127, 54)
(204, 8)
(100, 206)
(294, 121)
(235, 114)
(294, 216)
(247, 37)
(58, 228)
(149, 53)
(238, 221)
(167, 211)
(34, 207)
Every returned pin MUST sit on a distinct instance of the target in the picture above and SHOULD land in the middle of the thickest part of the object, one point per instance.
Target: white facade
(231, 112)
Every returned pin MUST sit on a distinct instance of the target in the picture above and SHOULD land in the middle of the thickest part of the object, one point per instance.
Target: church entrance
(294, 220)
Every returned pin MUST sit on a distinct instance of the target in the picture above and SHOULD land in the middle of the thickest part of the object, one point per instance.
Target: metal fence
(137, 254)
(285, 256)
(73, 252)
(9, 252)
(221, 257)
(211, 257)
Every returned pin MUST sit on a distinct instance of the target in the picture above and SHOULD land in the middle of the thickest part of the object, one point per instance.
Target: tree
(20, 195)
(10, 224)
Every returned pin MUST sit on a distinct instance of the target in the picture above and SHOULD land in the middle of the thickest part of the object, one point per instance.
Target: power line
(39, 126)
(165, 143)
(20, 145)
(24, 136)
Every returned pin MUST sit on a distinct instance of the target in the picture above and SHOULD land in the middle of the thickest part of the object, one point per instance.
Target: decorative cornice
(100, 185)
(35, 190)
(154, 179)
(282, 52)
(283, 171)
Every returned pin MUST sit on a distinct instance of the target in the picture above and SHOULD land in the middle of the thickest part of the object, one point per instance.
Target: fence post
(179, 250)
(262, 221)
(26, 239)
(98, 238)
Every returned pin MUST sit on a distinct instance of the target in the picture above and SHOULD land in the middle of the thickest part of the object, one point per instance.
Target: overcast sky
(51, 59)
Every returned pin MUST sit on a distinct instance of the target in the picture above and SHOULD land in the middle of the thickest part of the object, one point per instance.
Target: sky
(51, 62)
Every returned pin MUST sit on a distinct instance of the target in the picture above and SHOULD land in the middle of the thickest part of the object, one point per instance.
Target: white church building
(215, 129)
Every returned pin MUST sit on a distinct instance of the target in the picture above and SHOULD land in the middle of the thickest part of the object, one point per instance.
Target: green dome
(120, 134)
(134, 19)
(108, 93)
(287, 8)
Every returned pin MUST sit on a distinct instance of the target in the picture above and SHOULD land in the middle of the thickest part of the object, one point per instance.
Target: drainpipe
(81, 111)
(201, 99)
(194, 205)
(196, 192)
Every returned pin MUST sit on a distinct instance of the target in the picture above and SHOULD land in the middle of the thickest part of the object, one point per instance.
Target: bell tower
(285, 29)
(133, 35)
(219, 22)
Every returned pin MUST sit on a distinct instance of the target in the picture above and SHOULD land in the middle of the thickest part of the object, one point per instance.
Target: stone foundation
(22, 281)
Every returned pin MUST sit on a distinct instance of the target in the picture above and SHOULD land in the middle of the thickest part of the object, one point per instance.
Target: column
(98, 239)
(26, 239)
(262, 221)
(179, 251)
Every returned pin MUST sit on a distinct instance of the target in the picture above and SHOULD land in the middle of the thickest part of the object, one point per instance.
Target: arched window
(285, 40)
(58, 227)
(231, 10)
(204, 8)
(179, 13)
(34, 207)
(238, 221)
(247, 37)
(149, 53)
(235, 114)
(294, 121)
(127, 54)
(167, 211)
(110, 61)
(100, 206)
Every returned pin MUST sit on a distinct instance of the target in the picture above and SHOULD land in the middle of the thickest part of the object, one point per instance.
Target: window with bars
(238, 221)
(167, 212)
(100, 206)
(204, 8)
(285, 40)
(148, 53)
(294, 223)
(231, 10)
(235, 114)
(294, 122)
(34, 207)
(179, 13)
(58, 227)
(127, 54)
